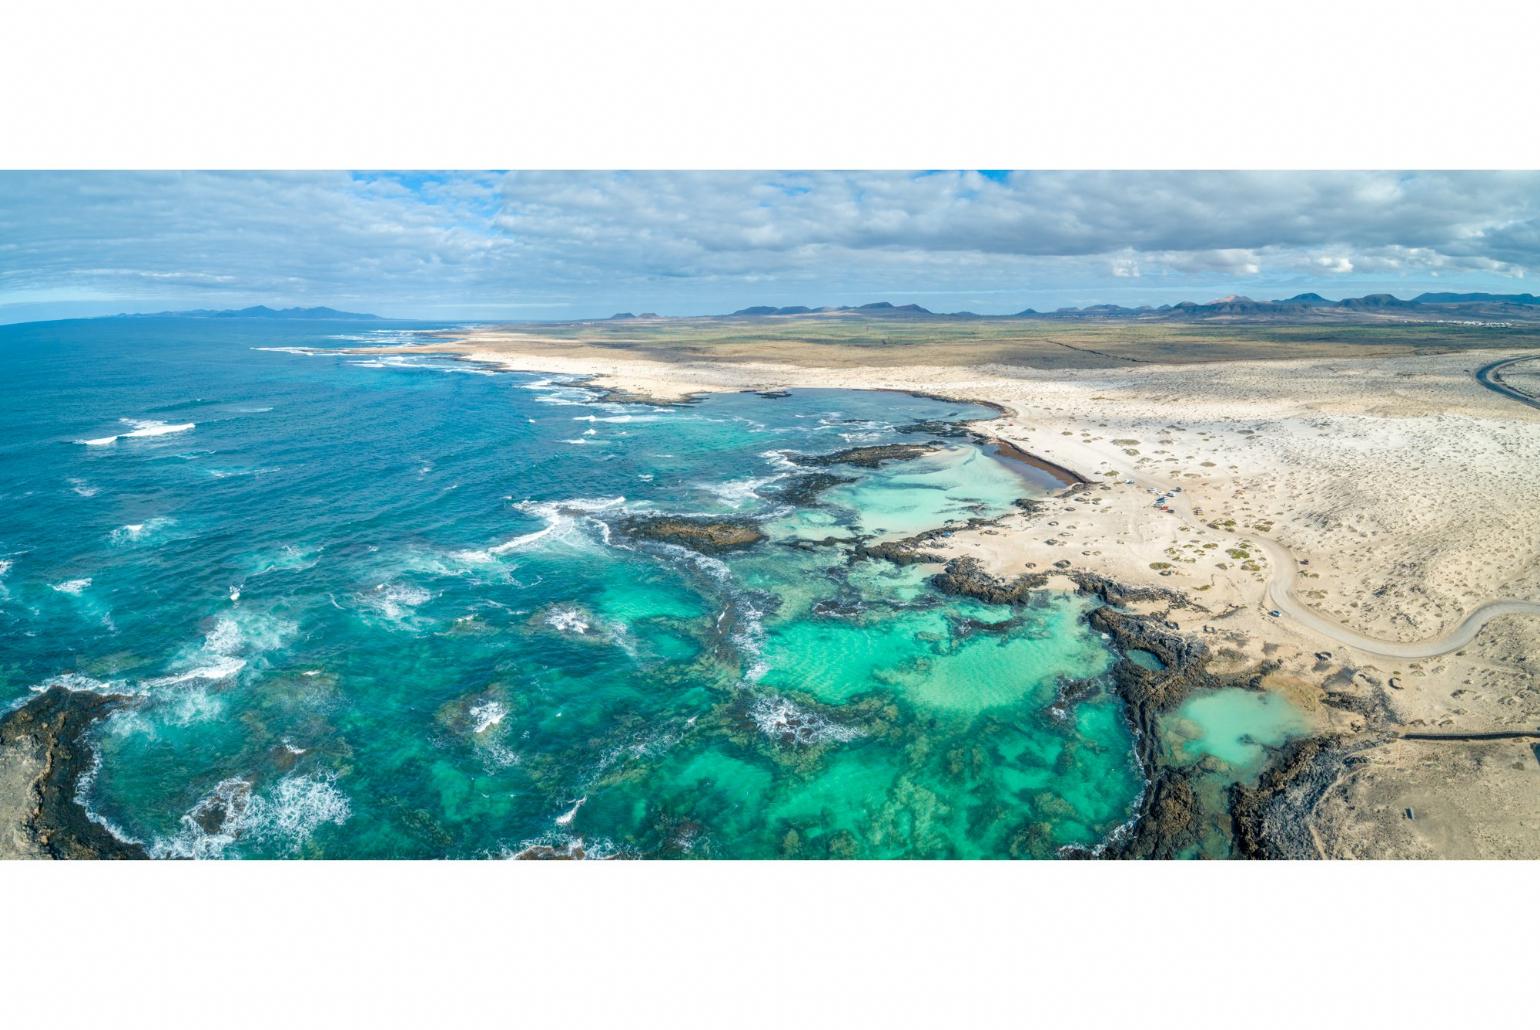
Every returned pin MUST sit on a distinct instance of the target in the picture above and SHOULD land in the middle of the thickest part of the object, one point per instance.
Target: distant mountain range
(1305, 306)
(263, 311)
(881, 307)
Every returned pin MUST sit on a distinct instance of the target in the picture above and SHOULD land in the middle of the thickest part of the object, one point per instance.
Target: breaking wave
(233, 812)
(142, 428)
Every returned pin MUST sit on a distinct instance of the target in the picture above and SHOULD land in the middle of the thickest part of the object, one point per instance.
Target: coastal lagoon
(402, 606)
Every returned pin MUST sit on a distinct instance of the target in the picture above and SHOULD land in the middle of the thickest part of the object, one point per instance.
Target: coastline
(1239, 451)
(1179, 528)
(44, 755)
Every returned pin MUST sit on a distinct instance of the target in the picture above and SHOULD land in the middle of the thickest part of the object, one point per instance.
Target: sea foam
(287, 816)
(782, 719)
(142, 428)
(134, 532)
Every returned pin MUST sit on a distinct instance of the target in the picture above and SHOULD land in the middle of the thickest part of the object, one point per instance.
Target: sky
(520, 246)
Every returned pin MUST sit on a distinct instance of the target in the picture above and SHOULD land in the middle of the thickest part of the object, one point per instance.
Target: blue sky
(552, 245)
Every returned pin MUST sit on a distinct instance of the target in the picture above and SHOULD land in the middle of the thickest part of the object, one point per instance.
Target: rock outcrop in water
(965, 577)
(866, 457)
(912, 550)
(804, 491)
(43, 750)
(709, 536)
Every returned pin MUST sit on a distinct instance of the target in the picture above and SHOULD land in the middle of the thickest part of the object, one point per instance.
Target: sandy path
(1280, 592)
(1280, 586)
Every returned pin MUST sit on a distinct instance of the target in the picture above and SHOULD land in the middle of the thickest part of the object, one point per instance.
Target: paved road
(1490, 376)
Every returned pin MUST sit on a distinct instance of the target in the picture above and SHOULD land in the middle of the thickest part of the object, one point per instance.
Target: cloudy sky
(553, 245)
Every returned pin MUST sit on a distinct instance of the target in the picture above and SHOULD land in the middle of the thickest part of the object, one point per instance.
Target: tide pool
(387, 607)
(1235, 726)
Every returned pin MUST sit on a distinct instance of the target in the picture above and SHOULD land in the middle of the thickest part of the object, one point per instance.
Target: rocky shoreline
(45, 740)
(1265, 821)
(1268, 821)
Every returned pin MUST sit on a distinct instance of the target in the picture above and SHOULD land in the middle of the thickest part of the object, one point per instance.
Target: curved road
(1490, 376)
(1280, 593)
(1280, 588)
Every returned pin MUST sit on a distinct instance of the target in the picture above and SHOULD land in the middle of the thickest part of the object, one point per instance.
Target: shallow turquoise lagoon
(1236, 726)
(385, 607)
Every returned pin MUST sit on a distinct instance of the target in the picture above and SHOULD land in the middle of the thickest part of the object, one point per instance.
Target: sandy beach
(1399, 488)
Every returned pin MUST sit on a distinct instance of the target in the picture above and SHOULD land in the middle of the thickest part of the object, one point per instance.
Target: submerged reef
(805, 490)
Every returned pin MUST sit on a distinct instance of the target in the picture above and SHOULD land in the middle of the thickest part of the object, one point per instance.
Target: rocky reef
(805, 490)
(44, 739)
(709, 536)
(866, 457)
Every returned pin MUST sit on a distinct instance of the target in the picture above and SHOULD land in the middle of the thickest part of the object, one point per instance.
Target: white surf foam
(487, 715)
(137, 531)
(152, 427)
(142, 428)
(73, 587)
(228, 647)
(561, 517)
(82, 684)
(781, 461)
(735, 493)
(288, 814)
(568, 619)
(513, 544)
(780, 718)
(288, 558)
(217, 670)
(396, 601)
(565, 819)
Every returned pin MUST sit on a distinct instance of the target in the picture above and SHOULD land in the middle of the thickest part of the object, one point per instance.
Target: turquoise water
(383, 607)
(1235, 726)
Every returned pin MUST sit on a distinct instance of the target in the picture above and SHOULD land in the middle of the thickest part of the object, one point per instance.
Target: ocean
(399, 607)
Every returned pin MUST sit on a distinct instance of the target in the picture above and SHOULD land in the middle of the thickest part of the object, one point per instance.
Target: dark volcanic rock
(1170, 820)
(804, 490)
(1271, 820)
(911, 550)
(965, 577)
(866, 457)
(547, 853)
(53, 727)
(711, 536)
(939, 427)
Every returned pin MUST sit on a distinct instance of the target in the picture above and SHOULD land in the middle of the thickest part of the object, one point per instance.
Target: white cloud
(679, 241)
